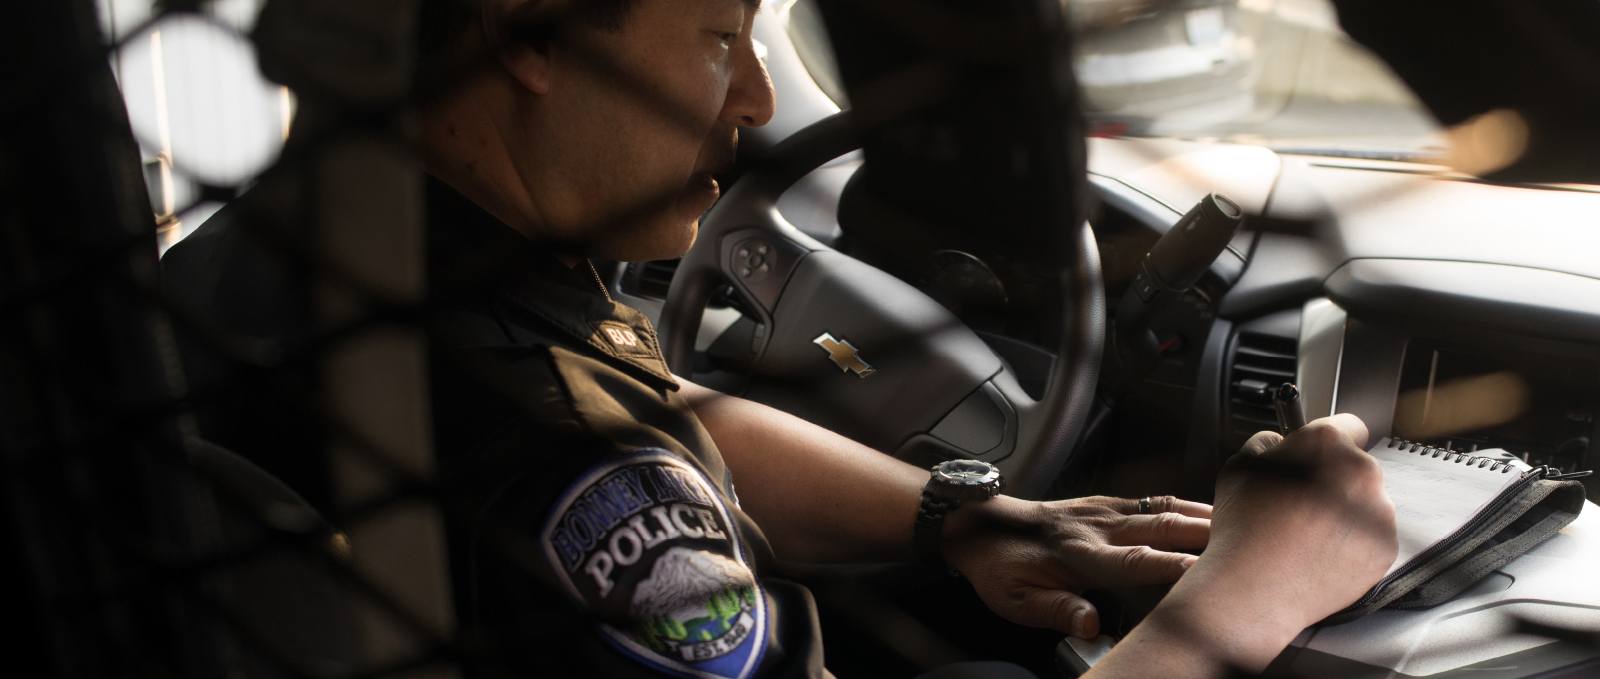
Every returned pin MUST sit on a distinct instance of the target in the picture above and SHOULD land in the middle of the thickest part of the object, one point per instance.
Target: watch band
(927, 535)
(951, 484)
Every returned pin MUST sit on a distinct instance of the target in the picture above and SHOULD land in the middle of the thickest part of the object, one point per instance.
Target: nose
(751, 100)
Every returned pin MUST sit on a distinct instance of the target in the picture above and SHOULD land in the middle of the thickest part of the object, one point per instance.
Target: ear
(522, 35)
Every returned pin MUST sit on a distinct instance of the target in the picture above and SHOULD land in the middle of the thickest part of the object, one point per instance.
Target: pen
(1291, 412)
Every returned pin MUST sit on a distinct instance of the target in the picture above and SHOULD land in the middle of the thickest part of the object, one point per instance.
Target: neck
(464, 145)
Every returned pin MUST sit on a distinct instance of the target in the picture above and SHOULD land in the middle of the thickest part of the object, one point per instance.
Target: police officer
(601, 528)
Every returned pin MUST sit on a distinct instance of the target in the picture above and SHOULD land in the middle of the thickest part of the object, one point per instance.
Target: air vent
(1260, 363)
(649, 279)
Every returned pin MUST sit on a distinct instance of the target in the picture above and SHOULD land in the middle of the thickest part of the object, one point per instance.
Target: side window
(200, 110)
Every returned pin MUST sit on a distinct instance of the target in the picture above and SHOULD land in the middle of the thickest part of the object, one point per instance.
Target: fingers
(1340, 428)
(1168, 503)
(1262, 442)
(1160, 504)
(1168, 530)
(1056, 609)
(1351, 426)
(1343, 429)
(1140, 565)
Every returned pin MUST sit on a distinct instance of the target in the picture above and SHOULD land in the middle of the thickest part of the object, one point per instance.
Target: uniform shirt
(593, 527)
(599, 526)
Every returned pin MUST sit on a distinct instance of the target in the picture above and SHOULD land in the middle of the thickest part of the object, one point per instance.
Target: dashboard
(1438, 309)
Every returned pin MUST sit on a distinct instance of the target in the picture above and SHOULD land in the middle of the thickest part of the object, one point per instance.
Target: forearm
(819, 496)
(1202, 629)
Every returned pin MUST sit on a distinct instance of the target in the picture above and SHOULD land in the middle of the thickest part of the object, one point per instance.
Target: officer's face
(636, 120)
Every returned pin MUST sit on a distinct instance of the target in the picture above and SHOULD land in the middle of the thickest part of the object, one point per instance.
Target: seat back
(139, 549)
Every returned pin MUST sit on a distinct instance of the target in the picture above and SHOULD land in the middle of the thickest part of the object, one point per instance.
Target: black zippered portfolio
(1461, 516)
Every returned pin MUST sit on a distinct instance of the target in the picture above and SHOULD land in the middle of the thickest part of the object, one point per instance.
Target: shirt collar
(473, 257)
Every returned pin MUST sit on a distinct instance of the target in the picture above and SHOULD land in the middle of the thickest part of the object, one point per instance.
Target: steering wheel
(853, 348)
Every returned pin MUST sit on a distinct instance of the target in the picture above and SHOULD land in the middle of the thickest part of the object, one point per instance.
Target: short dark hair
(439, 22)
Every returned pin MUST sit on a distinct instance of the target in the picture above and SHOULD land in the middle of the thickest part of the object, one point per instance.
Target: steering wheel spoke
(846, 345)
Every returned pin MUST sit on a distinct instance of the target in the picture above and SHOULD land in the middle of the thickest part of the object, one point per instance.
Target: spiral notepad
(1459, 516)
(1436, 491)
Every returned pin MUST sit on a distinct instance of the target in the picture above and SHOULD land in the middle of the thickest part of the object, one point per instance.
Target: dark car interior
(938, 191)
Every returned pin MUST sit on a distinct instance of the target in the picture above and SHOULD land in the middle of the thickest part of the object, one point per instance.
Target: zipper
(1538, 473)
(597, 280)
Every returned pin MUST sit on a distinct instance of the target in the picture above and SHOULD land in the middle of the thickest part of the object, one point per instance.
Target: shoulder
(493, 390)
(541, 383)
(496, 395)
(233, 271)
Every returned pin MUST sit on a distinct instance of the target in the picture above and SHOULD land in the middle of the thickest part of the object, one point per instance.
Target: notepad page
(1434, 498)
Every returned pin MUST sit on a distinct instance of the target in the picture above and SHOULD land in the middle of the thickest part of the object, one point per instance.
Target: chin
(690, 236)
(657, 241)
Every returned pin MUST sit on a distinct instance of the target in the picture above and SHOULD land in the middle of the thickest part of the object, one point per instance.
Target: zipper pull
(1550, 473)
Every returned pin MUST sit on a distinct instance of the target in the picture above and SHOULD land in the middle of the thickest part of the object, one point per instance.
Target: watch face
(967, 472)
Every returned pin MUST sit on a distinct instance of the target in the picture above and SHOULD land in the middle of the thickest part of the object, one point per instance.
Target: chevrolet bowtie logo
(844, 355)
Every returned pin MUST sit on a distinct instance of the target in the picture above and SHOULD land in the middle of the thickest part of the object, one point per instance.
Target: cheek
(676, 131)
(697, 88)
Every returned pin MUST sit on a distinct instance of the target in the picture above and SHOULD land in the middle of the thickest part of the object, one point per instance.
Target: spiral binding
(1479, 461)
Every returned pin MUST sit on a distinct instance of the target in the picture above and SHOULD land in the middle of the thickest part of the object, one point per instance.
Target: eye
(727, 39)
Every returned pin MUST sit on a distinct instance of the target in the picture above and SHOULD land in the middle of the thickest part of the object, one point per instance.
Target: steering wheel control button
(844, 355)
(758, 339)
(750, 259)
(761, 263)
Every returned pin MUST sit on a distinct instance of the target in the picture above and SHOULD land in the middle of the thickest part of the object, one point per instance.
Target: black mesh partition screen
(313, 541)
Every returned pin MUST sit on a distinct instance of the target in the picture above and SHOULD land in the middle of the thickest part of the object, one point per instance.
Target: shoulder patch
(645, 538)
(621, 337)
(625, 340)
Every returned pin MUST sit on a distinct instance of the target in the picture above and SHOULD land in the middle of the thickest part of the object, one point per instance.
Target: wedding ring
(1144, 505)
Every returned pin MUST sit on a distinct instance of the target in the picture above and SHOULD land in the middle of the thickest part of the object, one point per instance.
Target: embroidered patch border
(699, 612)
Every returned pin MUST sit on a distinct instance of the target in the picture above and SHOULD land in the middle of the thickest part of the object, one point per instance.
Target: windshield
(1277, 73)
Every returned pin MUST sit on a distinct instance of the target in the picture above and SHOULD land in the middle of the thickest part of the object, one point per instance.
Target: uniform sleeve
(622, 561)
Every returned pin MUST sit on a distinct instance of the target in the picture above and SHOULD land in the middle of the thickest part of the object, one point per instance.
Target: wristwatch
(952, 484)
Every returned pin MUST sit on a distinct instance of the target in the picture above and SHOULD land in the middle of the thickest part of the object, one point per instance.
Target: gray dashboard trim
(1369, 383)
(1320, 353)
(1133, 201)
(1454, 297)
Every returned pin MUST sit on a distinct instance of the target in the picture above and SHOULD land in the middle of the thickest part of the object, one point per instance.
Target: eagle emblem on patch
(646, 538)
